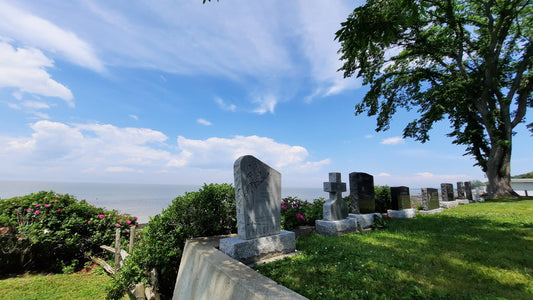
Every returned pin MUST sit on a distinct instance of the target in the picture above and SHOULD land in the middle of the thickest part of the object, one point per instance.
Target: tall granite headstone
(362, 195)
(468, 190)
(430, 198)
(400, 197)
(335, 208)
(258, 204)
(460, 190)
(446, 190)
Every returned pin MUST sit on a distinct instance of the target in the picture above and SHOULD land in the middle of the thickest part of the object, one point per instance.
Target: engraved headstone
(257, 198)
(335, 208)
(468, 190)
(362, 195)
(446, 190)
(400, 197)
(460, 190)
(258, 204)
(430, 198)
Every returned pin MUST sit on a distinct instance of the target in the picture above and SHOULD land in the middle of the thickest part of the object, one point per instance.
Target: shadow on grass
(463, 253)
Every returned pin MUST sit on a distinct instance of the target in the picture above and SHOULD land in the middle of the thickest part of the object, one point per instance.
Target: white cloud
(24, 68)
(225, 106)
(204, 122)
(136, 118)
(121, 170)
(383, 175)
(266, 104)
(393, 141)
(43, 34)
(369, 136)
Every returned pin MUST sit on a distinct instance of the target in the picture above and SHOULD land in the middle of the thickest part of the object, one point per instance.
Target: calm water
(141, 200)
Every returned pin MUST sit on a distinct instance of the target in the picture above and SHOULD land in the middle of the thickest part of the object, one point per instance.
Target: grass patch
(55, 286)
(476, 251)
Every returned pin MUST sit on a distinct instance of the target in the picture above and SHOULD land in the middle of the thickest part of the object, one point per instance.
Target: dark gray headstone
(468, 190)
(362, 195)
(460, 190)
(258, 198)
(446, 190)
(430, 198)
(335, 208)
(400, 197)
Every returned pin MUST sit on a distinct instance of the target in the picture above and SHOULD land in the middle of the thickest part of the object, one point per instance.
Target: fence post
(117, 249)
(132, 238)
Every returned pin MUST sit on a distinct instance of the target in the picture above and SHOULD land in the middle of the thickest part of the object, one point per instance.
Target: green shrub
(296, 212)
(46, 231)
(207, 212)
(383, 199)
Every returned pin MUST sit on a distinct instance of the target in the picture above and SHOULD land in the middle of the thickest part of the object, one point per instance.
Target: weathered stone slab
(400, 197)
(447, 192)
(449, 204)
(402, 214)
(468, 190)
(460, 190)
(432, 211)
(250, 251)
(463, 201)
(257, 197)
(430, 198)
(337, 227)
(365, 220)
(362, 196)
(335, 208)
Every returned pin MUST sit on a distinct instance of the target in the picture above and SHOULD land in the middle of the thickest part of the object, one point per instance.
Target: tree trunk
(499, 172)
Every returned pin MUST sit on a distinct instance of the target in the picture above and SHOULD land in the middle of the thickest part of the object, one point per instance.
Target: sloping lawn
(475, 251)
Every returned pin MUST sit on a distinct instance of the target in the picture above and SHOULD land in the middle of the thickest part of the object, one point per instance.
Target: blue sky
(175, 91)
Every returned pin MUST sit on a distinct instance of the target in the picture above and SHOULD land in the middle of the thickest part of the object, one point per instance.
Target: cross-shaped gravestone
(335, 208)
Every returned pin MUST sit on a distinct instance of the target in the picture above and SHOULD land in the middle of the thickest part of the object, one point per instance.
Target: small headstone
(430, 198)
(468, 190)
(362, 195)
(460, 190)
(335, 208)
(400, 197)
(258, 204)
(447, 191)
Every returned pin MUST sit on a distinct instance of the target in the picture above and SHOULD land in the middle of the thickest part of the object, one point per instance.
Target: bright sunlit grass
(476, 251)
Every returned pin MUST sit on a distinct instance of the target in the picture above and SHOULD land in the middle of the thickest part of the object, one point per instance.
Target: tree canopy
(466, 60)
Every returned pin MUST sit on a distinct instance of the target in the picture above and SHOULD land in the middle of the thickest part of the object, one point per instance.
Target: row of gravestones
(258, 204)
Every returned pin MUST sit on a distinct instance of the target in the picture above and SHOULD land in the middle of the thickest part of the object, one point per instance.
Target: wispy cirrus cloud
(393, 141)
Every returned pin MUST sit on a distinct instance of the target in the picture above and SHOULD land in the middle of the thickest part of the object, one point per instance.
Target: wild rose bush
(46, 231)
(296, 212)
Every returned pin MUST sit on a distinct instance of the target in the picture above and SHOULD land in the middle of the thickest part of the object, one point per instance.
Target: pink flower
(57, 196)
(283, 207)
(118, 225)
(299, 216)
(101, 216)
(47, 205)
(19, 239)
(119, 220)
(135, 218)
(89, 222)
(285, 202)
(37, 212)
(128, 221)
(37, 205)
(294, 206)
(59, 209)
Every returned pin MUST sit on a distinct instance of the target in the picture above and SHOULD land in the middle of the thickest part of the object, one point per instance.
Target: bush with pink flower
(296, 212)
(46, 231)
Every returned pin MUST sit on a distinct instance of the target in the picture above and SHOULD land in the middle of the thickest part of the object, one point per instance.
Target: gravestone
(400, 197)
(460, 190)
(430, 198)
(258, 204)
(447, 191)
(468, 190)
(335, 210)
(362, 195)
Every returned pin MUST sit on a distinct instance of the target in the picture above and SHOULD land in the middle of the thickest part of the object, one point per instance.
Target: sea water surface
(141, 200)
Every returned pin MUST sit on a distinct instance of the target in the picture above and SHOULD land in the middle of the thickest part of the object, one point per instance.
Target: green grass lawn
(54, 286)
(476, 251)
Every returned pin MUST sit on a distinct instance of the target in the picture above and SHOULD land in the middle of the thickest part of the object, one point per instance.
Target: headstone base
(402, 214)
(250, 251)
(463, 201)
(449, 204)
(430, 212)
(335, 228)
(364, 220)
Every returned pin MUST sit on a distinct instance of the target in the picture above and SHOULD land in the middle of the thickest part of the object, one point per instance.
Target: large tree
(466, 60)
